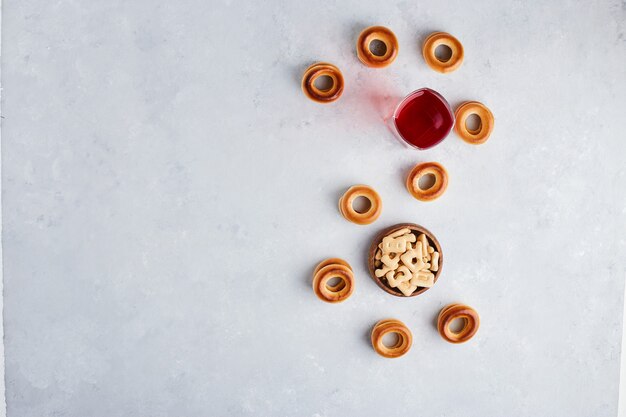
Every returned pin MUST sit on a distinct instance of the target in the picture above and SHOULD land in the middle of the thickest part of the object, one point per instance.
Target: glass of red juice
(423, 119)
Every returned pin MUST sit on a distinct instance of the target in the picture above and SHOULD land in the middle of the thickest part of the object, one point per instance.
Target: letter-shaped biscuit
(425, 245)
(407, 288)
(402, 274)
(435, 262)
(382, 271)
(389, 264)
(413, 255)
(423, 279)
(397, 244)
(400, 232)
(391, 261)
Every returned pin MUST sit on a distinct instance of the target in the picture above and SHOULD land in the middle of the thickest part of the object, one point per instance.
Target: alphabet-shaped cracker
(402, 274)
(388, 264)
(400, 232)
(407, 288)
(382, 271)
(415, 254)
(435, 262)
(423, 279)
(391, 261)
(377, 256)
(422, 238)
(396, 244)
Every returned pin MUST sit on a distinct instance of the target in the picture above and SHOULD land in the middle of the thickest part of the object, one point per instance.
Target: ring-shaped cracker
(441, 38)
(331, 261)
(458, 311)
(321, 69)
(481, 134)
(339, 292)
(402, 346)
(377, 33)
(348, 211)
(436, 190)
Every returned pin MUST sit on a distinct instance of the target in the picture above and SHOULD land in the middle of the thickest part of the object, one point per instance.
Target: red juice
(423, 118)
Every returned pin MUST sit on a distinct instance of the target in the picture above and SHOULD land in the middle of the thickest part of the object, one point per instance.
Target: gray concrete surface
(168, 189)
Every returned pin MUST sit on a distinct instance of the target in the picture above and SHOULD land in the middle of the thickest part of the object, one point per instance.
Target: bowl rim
(374, 246)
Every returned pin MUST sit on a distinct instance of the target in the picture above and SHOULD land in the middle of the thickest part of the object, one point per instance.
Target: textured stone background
(168, 189)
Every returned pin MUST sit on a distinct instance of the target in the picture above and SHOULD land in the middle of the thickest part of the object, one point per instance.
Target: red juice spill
(423, 118)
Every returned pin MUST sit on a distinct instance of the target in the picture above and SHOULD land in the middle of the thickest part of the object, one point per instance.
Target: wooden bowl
(417, 229)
